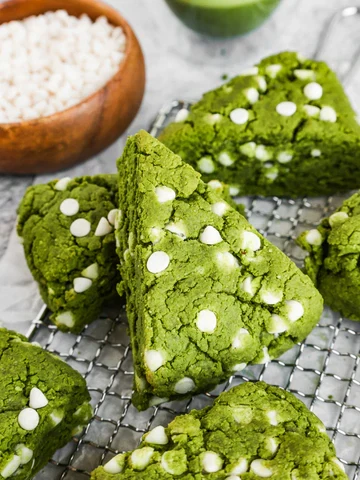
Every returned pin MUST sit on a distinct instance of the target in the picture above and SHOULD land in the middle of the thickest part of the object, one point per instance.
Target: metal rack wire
(323, 371)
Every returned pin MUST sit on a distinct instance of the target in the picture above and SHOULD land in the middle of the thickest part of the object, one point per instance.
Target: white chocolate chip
(115, 465)
(338, 218)
(80, 227)
(215, 184)
(258, 467)
(271, 445)
(69, 207)
(206, 165)
(249, 72)
(328, 114)
(238, 341)
(226, 259)
(262, 153)
(234, 190)
(239, 367)
(242, 414)
(37, 399)
(273, 70)
(156, 235)
(248, 149)
(65, 318)
(178, 229)
(141, 458)
(313, 237)
(315, 152)
(252, 95)
(272, 175)
(92, 271)
(285, 157)
(184, 385)
(225, 159)
(154, 360)
(312, 111)
(272, 416)
(28, 419)
(182, 115)
(154, 401)
(304, 74)
(11, 467)
(286, 109)
(157, 436)
(165, 194)
(211, 462)
(262, 83)
(206, 321)
(158, 262)
(210, 236)
(213, 118)
(219, 208)
(239, 116)
(265, 357)
(81, 284)
(25, 453)
(167, 465)
(62, 184)
(112, 215)
(250, 241)
(247, 285)
(271, 298)
(103, 228)
(241, 467)
(56, 417)
(294, 310)
(313, 91)
(277, 324)
(233, 477)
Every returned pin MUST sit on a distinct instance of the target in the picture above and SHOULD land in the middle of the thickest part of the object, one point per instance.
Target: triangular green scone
(253, 431)
(206, 293)
(314, 151)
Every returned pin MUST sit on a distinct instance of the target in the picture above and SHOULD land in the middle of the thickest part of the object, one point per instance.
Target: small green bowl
(223, 18)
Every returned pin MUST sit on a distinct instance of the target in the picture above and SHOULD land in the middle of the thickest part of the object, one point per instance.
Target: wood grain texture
(55, 142)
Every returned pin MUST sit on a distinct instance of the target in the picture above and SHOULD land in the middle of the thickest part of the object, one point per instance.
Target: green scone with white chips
(284, 127)
(333, 260)
(67, 228)
(251, 432)
(43, 403)
(206, 293)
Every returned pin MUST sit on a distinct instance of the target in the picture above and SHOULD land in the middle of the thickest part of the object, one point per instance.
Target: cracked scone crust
(206, 293)
(67, 228)
(253, 431)
(43, 403)
(333, 260)
(283, 128)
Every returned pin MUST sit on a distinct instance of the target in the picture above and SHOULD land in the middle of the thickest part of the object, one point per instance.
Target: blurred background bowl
(49, 144)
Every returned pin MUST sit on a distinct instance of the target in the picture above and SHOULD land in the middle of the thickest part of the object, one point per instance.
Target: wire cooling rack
(323, 371)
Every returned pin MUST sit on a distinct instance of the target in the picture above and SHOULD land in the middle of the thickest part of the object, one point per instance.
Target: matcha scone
(333, 260)
(252, 431)
(284, 127)
(43, 403)
(67, 228)
(206, 293)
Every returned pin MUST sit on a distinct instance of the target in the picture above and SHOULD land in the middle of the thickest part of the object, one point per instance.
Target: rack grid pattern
(323, 371)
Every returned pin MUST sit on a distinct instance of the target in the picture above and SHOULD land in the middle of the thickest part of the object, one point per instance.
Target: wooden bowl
(55, 142)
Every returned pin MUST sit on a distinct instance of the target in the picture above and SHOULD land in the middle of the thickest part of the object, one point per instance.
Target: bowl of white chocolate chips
(72, 79)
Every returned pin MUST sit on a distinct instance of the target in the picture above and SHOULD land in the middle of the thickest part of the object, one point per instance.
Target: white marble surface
(180, 65)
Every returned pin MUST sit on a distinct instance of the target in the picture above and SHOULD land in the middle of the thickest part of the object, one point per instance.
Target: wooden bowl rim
(130, 38)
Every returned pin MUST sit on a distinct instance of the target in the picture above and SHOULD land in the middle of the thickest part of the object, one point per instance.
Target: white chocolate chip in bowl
(154, 360)
(80, 227)
(157, 436)
(239, 116)
(286, 109)
(81, 284)
(165, 194)
(185, 385)
(206, 321)
(103, 228)
(260, 469)
(158, 262)
(211, 462)
(210, 236)
(69, 207)
(37, 398)
(28, 419)
(314, 237)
